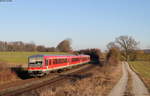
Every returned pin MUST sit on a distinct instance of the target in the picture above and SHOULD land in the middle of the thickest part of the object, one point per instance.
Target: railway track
(50, 81)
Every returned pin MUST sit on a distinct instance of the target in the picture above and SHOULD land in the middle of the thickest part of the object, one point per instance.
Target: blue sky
(89, 23)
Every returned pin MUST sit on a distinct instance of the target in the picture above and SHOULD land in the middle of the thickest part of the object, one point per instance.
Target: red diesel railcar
(39, 65)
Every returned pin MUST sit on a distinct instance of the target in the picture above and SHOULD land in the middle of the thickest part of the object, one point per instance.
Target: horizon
(89, 23)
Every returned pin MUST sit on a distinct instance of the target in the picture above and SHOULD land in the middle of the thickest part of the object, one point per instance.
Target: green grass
(143, 67)
(20, 57)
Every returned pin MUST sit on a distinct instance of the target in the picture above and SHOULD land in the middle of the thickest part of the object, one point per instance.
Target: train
(39, 65)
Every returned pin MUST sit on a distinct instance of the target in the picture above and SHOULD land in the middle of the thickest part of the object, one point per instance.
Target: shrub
(113, 56)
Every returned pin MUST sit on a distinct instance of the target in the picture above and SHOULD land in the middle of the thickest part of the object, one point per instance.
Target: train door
(46, 63)
(50, 64)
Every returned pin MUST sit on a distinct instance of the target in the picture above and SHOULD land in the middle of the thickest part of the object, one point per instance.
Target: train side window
(58, 61)
(75, 59)
(65, 60)
(54, 61)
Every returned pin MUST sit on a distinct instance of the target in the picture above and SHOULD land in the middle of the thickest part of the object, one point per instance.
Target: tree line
(122, 48)
(63, 46)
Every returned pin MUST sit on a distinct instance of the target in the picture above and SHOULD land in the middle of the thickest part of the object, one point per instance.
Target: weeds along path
(41, 82)
(129, 77)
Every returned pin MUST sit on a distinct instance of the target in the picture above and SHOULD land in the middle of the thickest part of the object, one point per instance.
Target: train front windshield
(35, 61)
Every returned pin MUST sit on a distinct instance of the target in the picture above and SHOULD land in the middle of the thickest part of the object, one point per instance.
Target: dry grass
(6, 75)
(99, 84)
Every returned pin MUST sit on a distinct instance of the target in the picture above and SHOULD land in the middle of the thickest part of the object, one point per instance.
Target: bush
(113, 56)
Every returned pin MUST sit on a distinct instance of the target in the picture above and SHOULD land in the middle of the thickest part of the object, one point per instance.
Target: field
(20, 58)
(143, 68)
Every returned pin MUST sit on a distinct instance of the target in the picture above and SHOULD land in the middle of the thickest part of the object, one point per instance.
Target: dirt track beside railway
(137, 86)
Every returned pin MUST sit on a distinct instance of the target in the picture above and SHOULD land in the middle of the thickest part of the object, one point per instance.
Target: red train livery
(39, 65)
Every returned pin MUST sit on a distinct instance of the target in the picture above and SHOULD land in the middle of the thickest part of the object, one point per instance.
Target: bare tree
(41, 48)
(64, 46)
(3, 46)
(127, 44)
(111, 45)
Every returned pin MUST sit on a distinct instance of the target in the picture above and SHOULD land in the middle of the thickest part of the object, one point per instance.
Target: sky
(89, 23)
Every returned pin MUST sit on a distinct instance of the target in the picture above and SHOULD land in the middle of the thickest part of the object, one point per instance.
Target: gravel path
(138, 88)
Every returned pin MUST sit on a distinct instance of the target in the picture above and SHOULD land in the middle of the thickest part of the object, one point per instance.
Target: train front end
(36, 65)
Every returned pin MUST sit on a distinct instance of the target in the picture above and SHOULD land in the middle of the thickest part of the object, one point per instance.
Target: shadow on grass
(97, 63)
(21, 72)
(73, 78)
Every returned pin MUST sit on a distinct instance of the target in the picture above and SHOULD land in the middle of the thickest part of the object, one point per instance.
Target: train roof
(42, 55)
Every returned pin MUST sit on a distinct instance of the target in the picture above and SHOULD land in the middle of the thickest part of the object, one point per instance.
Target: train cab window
(38, 62)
